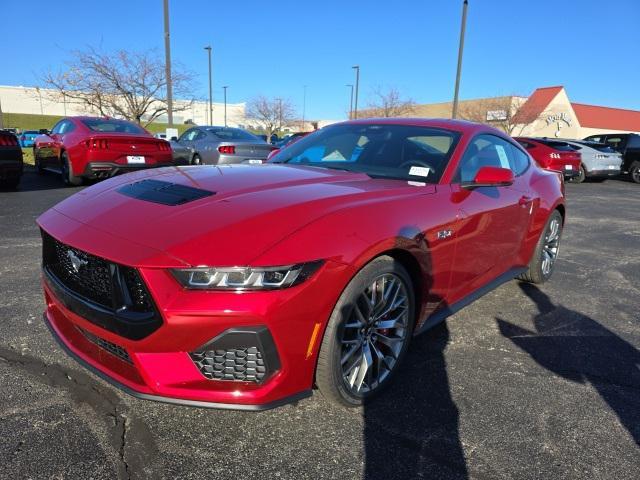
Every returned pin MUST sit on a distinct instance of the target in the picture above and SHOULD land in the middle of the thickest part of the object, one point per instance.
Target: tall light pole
(350, 101)
(167, 63)
(355, 107)
(208, 49)
(225, 104)
(463, 27)
(304, 105)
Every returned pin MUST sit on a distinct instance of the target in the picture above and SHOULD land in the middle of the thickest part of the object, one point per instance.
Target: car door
(492, 221)
(207, 144)
(58, 144)
(45, 146)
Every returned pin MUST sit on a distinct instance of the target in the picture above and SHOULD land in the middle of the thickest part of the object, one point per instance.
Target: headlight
(245, 278)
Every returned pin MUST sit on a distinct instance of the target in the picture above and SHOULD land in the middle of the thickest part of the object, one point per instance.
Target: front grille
(107, 294)
(93, 277)
(81, 272)
(236, 364)
(112, 348)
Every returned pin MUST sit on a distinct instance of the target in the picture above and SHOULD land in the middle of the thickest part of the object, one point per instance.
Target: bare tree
(510, 114)
(272, 114)
(388, 103)
(131, 85)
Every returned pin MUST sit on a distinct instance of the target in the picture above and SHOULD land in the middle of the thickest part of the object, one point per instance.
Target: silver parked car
(599, 161)
(214, 145)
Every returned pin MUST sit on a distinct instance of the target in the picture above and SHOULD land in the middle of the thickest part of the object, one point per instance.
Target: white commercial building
(42, 101)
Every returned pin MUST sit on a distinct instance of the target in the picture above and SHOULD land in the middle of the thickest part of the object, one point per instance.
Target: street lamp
(350, 101)
(167, 63)
(355, 108)
(225, 104)
(208, 49)
(463, 26)
(304, 105)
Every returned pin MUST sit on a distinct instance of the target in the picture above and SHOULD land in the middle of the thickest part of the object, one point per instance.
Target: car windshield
(111, 125)
(404, 152)
(231, 134)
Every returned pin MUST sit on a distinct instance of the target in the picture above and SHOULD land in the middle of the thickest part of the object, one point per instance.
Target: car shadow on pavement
(411, 430)
(32, 181)
(577, 348)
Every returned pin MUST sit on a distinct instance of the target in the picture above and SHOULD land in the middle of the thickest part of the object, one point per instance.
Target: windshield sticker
(504, 161)
(419, 171)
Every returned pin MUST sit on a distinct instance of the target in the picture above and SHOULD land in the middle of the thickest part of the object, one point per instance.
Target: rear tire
(582, 176)
(634, 172)
(545, 255)
(37, 164)
(66, 170)
(359, 356)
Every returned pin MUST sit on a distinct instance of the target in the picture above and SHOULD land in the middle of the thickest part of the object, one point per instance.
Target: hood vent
(165, 193)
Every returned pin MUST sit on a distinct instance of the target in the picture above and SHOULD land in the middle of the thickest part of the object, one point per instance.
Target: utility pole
(304, 105)
(355, 108)
(1, 119)
(167, 54)
(350, 101)
(208, 49)
(463, 27)
(225, 104)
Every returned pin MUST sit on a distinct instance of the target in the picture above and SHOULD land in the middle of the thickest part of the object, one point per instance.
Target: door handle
(524, 200)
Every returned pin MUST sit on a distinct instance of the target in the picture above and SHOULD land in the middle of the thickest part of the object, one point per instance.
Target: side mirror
(174, 139)
(490, 177)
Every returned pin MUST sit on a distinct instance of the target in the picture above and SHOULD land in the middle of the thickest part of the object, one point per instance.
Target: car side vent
(165, 193)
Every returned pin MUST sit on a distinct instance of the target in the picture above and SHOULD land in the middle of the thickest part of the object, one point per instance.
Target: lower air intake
(242, 354)
(238, 364)
(112, 348)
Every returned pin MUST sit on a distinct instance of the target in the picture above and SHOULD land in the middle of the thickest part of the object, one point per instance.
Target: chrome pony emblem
(76, 262)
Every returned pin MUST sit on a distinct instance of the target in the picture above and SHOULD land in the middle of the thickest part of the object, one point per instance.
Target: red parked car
(98, 147)
(244, 286)
(553, 155)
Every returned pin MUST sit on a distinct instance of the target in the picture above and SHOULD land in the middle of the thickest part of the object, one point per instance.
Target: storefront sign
(559, 117)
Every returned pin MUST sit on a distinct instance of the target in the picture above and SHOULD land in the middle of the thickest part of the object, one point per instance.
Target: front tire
(66, 171)
(367, 335)
(545, 255)
(634, 172)
(196, 160)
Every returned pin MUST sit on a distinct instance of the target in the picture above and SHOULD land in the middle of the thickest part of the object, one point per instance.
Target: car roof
(462, 126)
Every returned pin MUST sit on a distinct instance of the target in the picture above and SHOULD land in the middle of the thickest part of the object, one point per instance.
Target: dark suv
(10, 160)
(628, 144)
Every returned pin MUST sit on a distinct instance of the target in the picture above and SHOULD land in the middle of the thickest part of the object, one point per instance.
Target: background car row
(91, 148)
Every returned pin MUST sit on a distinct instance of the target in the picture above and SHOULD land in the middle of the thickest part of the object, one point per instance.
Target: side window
(634, 142)
(518, 160)
(199, 135)
(595, 138)
(66, 127)
(616, 142)
(189, 135)
(483, 151)
(57, 127)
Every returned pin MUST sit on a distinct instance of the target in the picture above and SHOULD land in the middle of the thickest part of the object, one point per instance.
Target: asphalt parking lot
(525, 383)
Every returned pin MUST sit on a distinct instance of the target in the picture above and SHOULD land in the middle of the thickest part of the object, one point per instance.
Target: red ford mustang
(90, 147)
(245, 286)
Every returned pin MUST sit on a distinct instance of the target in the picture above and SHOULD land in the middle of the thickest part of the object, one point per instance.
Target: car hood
(251, 209)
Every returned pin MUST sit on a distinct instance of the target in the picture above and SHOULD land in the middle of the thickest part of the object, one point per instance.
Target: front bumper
(177, 362)
(603, 173)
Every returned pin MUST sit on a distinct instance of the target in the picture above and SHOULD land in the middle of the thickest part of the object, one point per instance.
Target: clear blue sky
(274, 48)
